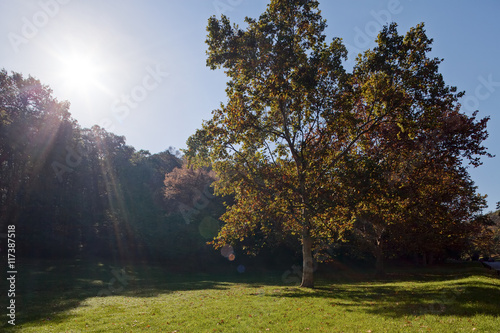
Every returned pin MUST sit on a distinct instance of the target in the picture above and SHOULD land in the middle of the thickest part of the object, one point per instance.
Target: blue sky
(142, 63)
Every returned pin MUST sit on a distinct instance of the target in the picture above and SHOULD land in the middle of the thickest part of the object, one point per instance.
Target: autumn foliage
(309, 149)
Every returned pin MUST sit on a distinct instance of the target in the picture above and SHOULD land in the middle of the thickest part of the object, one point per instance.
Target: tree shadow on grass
(442, 292)
(48, 290)
(402, 272)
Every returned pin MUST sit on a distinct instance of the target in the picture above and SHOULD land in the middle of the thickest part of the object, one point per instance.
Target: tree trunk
(307, 260)
(379, 256)
(431, 258)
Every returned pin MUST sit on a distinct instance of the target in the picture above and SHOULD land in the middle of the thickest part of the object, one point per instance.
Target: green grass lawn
(84, 297)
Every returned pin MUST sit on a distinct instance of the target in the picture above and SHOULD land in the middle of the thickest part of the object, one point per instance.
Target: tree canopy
(296, 120)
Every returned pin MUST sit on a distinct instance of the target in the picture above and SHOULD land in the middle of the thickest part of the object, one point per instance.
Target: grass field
(96, 297)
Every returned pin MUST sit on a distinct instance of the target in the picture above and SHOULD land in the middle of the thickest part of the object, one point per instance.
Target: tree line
(76, 192)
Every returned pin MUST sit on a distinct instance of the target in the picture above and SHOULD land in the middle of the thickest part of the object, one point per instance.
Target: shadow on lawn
(443, 292)
(46, 290)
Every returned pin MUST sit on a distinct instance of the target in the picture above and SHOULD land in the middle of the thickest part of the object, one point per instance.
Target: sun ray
(118, 211)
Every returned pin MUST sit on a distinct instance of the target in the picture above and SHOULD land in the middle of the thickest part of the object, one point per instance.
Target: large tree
(282, 142)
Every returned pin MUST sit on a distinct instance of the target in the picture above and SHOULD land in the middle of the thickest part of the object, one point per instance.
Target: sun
(83, 77)
(80, 71)
(79, 68)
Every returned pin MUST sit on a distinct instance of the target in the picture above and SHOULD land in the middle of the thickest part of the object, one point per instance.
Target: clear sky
(137, 68)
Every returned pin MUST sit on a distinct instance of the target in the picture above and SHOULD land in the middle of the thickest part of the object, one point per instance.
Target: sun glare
(80, 71)
(82, 76)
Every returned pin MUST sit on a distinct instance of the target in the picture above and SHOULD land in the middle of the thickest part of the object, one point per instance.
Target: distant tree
(193, 212)
(417, 184)
(188, 187)
(141, 182)
(486, 241)
(32, 122)
(442, 212)
(189, 192)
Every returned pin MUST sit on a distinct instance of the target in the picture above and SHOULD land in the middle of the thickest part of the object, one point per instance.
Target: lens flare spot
(226, 251)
